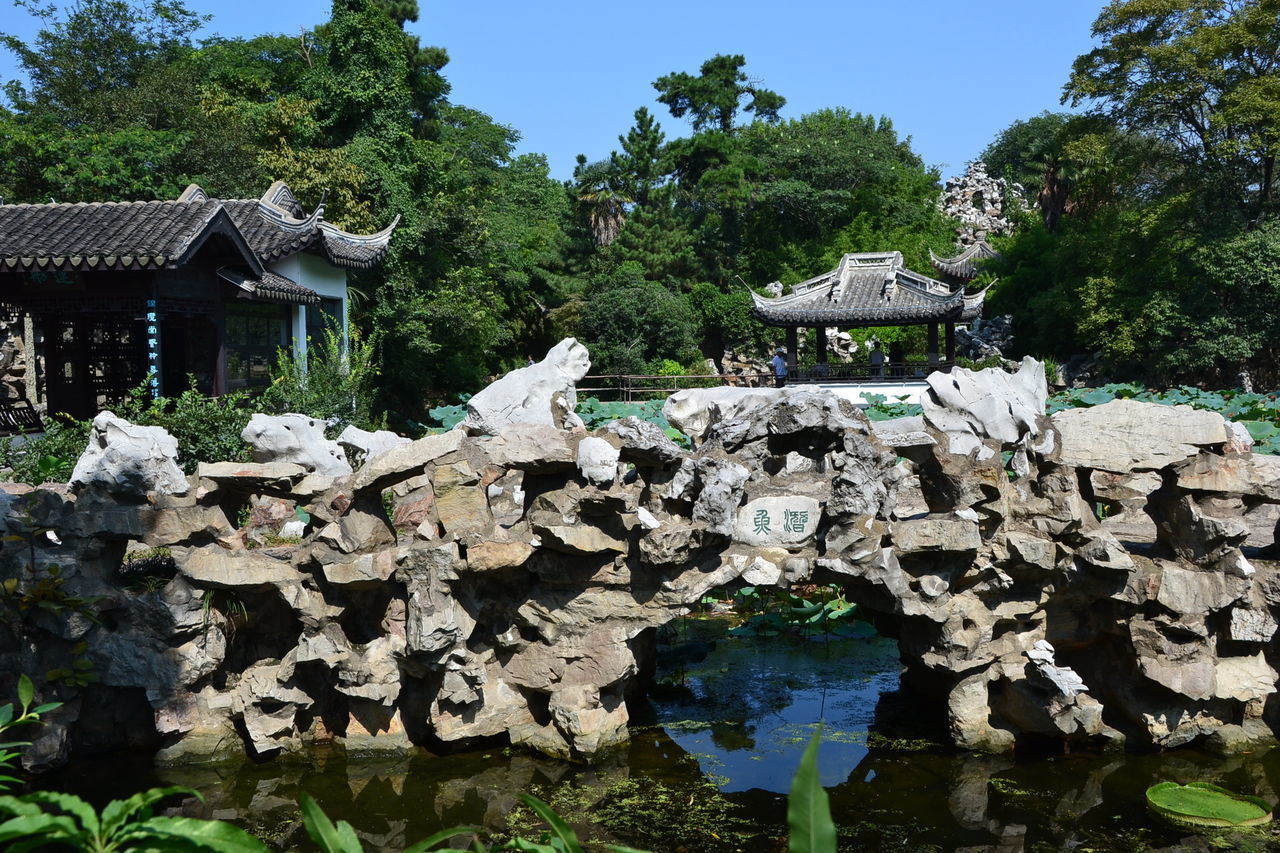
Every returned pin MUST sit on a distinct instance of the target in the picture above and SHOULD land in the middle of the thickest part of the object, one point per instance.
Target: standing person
(779, 367)
(897, 359)
(877, 360)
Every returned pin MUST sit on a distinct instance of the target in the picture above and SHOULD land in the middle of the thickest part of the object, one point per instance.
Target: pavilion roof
(868, 289)
(149, 235)
(966, 265)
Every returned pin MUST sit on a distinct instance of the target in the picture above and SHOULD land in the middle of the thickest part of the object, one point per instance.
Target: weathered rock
(539, 448)
(507, 595)
(297, 439)
(597, 460)
(694, 411)
(1244, 678)
(211, 566)
(404, 461)
(370, 445)
(903, 433)
(1125, 436)
(936, 533)
(970, 406)
(542, 393)
(488, 556)
(644, 443)
(981, 205)
(129, 460)
(460, 501)
(723, 484)
(1250, 474)
(252, 476)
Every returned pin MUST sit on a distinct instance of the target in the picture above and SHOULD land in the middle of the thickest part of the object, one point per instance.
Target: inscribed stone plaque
(789, 521)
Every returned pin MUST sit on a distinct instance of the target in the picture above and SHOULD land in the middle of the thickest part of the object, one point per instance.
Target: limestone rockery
(1092, 577)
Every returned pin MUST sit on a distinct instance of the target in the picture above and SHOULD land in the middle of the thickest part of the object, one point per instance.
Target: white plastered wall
(322, 277)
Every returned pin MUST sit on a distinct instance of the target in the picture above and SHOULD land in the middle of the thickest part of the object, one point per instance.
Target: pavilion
(111, 295)
(870, 289)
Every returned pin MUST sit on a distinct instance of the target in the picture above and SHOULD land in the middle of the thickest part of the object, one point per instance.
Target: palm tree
(602, 202)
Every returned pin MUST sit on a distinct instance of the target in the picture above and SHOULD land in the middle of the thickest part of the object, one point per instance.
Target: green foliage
(449, 417)
(629, 321)
(1200, 75)
(336, 383)
(782, 612)
(44, 589)
(879, 408)
(13, 716)
(712, 99)
(207, 428)
(808, 807)
(46, 458)
(47, 818)
(1199, 804)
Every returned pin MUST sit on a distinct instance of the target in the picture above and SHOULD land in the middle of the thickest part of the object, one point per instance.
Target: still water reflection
(711, 761)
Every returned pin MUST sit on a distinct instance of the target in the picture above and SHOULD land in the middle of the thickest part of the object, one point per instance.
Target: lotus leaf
(1200, 804)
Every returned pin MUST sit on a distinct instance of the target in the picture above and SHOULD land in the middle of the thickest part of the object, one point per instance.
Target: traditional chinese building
(868, 289)
(114, 294)
(964, 267)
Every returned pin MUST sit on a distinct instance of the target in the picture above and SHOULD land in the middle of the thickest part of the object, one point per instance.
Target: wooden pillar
(793, 346)
(821, 336)
(951, 342)
(220, 350)
(933, 344)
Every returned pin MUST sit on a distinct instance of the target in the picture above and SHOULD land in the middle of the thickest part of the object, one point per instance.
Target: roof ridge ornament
(279, 196)
(194, 192)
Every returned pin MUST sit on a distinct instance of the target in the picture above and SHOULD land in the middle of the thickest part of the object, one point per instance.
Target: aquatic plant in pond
(781, 611)
(1200, 804)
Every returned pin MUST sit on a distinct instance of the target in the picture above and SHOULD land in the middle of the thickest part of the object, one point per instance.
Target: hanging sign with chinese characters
(153, 349)
(787, 520)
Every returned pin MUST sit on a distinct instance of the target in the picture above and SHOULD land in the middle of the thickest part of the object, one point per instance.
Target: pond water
(710, 763)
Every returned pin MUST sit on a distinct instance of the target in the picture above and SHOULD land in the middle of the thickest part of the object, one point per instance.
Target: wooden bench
(18, 417)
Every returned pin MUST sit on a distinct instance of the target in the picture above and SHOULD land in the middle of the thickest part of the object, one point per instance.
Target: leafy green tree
(87, 62)
(630, 322)
(1013, 153)
(1199, 74)
(639, 166)
(713, 98)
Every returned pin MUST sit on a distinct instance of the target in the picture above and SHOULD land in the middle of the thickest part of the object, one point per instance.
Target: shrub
(207, 428)
(335, 384)
(46, 458)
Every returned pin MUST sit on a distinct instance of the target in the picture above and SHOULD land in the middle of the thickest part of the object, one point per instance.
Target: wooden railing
(632, 387)
(890, 371)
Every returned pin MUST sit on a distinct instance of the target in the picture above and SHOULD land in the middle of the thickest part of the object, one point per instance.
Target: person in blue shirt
(780, 367)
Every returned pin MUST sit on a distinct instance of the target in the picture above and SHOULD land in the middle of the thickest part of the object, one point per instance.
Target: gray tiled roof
(270, 286)
(111, 235)
(163, 234)
(966, 265)
(869, 289)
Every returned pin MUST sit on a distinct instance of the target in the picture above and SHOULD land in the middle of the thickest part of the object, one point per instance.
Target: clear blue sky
(569, 74)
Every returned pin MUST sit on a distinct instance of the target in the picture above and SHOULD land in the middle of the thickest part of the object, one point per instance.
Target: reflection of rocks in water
(488, 796)
(969, 799)
(999, 803)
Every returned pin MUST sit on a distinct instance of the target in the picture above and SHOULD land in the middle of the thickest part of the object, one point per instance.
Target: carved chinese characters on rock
(783, 520)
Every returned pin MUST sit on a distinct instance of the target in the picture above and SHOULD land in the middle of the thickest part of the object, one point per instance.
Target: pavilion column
(820, 335)
(220, 351)
(951, 342)
(793, 345)
(933, 344)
